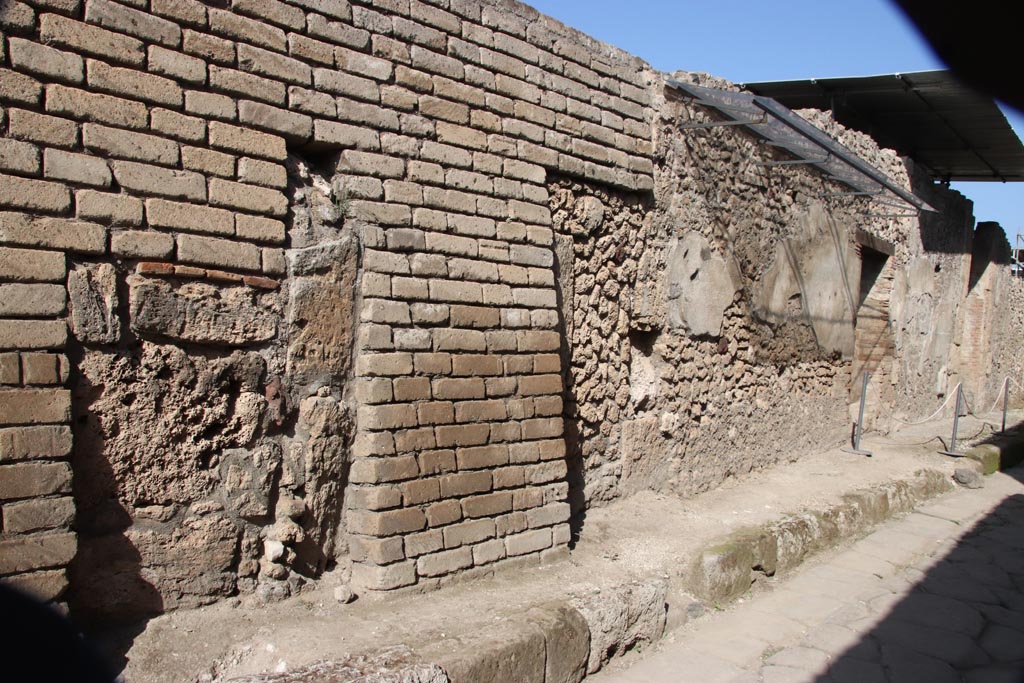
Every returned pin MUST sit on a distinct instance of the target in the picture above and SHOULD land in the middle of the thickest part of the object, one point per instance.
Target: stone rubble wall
(706, 328)
(392, 287)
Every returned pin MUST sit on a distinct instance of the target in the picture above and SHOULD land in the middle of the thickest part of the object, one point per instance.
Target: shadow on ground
(962, 622)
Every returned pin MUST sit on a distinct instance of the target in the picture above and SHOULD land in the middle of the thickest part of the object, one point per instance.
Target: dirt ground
(645, 536)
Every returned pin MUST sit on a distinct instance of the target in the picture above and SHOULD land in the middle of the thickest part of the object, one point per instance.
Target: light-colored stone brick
(209, 48)
(144, 25)
(19, 88)
(235, 26)
(37, 515)
(33, 406)
(467, 533)
(386, 523)
(528, 542)
(42, 60)
(424, 542)
(105, 207)
(221, 253)
(19, 157)
(19, 554)
(446, 562)
(244, 84)
(134, 84)
(273, 65)
(147, 179)
(259, 229)
(273, 12)
(42, 129)
(33, 334)
(334, 134)
(248, 142)
(76, 168)
(253, 198)
(54, 233)
(19, 300)
(33, 195)
(208, 161)
(176, 65)
(33, 443)
(124, 144)
(388, 577)
(310, 50)
(210, 105)
(90, 40)
(377, 550)
(443, 513)
(87, 106)
(10, 368)
(141, 244)
(291, 125)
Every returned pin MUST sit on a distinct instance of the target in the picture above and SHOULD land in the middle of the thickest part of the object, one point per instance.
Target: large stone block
(205, 315)
(622, 617)
(94, 302)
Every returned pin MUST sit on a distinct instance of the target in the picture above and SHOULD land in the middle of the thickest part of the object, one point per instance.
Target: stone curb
(726, 570)
(1001, 453)
(566, 640)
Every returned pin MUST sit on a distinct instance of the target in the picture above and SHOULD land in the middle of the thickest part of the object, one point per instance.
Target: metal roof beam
(799, 125)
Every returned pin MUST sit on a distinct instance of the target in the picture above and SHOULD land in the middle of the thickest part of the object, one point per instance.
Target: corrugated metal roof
(930, 116)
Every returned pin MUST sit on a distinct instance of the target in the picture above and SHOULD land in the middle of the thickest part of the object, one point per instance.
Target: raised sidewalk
(642, 566)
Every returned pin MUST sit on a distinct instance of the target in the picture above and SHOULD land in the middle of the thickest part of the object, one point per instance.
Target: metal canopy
(786, 130)
(953, 131)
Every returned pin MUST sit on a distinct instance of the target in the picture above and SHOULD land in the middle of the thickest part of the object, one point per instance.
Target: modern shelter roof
(955, 132)
(783, 129)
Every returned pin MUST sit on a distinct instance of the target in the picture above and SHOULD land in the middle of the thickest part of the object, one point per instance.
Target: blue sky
(746, 41)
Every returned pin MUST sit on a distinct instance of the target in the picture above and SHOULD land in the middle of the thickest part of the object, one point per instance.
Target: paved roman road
(935, 596)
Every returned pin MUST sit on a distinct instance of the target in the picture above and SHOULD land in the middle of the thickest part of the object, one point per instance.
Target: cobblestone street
(934, 596)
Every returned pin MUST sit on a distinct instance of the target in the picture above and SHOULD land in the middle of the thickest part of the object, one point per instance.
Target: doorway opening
(873, 339)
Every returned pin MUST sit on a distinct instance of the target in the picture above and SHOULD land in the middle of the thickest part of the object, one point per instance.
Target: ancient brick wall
(204, 204)
(388, 287)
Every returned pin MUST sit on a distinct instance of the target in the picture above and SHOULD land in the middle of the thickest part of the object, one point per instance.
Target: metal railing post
(956, 422)
(1006, 402)
(859, 429)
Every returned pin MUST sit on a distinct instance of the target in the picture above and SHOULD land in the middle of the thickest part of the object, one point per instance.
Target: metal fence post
(956, 422)
(1006, 402)
(859, 429)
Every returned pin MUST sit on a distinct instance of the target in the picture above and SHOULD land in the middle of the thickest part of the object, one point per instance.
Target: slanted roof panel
(956, 132)
(783, 128)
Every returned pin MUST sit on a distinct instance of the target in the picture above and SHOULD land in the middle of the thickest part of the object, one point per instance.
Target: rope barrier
(999, 398)
(1003, 392)
(933, 415)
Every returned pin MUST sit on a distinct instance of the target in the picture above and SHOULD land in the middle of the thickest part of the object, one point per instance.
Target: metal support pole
(859, 429)
(1006, 402)
(956, 423)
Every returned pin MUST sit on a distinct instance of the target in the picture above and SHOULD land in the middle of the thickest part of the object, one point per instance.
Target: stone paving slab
(934, 596)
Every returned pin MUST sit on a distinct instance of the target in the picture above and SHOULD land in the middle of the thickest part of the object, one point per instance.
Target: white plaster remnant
(700, 286)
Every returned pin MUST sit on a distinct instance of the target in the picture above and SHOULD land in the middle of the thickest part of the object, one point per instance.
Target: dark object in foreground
(38, 644)
(978, 40)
